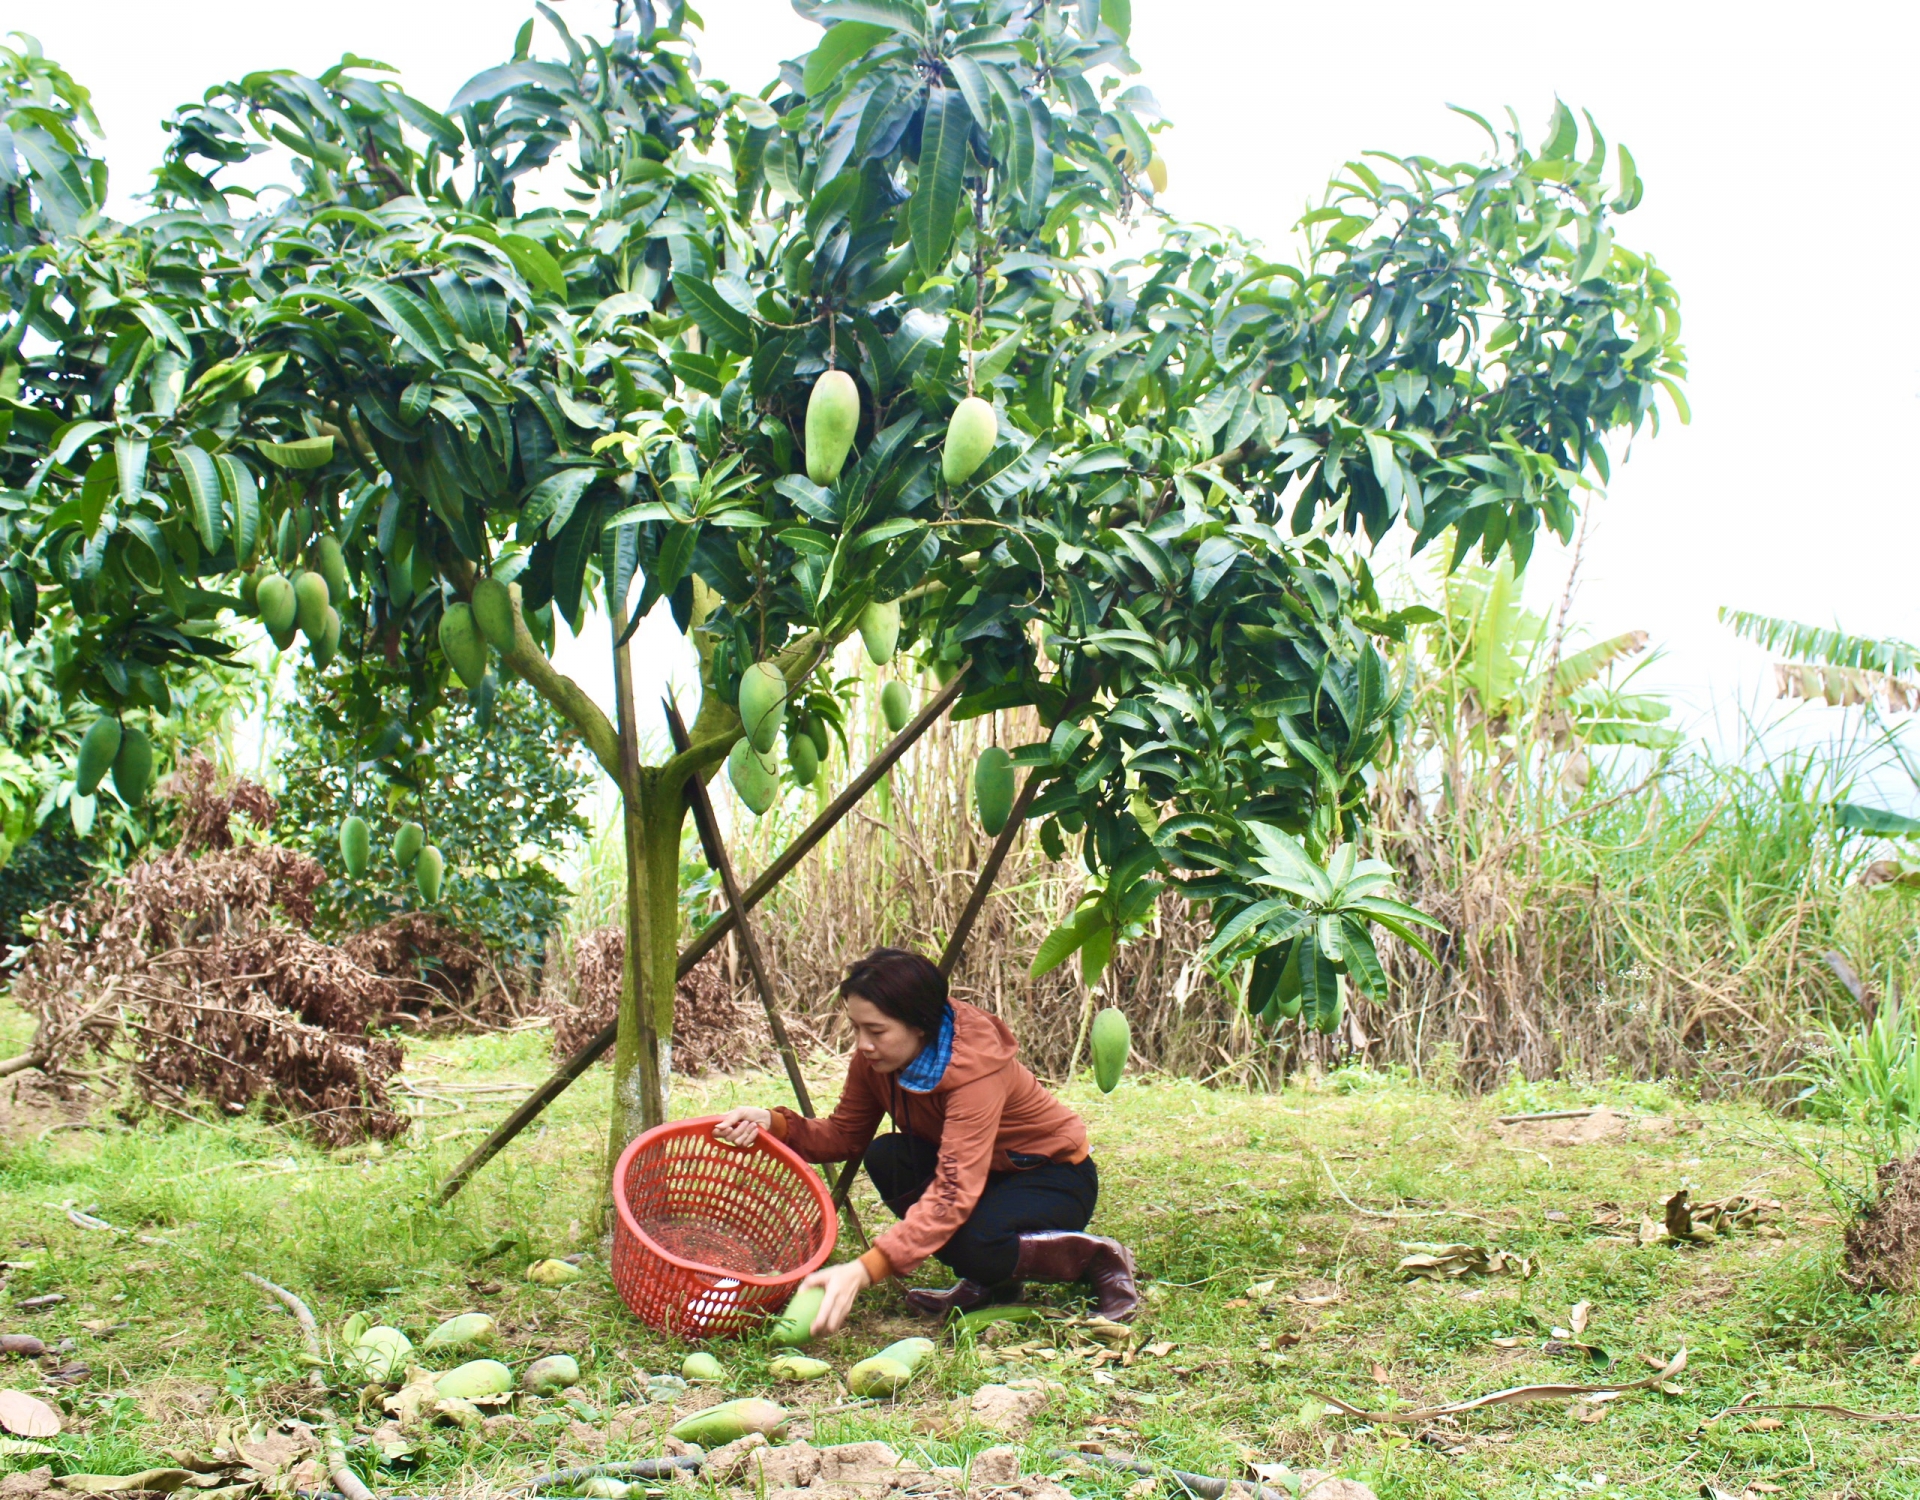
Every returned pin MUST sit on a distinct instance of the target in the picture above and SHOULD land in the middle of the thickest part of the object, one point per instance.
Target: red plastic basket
(709, 1239)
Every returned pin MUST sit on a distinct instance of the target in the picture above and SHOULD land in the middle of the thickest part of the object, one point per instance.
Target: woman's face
(887, 1045)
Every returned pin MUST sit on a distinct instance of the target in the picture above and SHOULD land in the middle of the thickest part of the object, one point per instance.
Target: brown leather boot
(963, 1296)
(1063, 1255)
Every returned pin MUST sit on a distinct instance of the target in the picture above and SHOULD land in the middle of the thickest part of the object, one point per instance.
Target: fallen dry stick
(1206, 1486)
(644, 1468)
(341, 1472)
(1513, 1396)
(1747, 1403)
(1400, 1213)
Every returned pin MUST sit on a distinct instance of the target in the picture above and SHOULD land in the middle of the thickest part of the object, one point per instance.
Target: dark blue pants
(1037, 1196)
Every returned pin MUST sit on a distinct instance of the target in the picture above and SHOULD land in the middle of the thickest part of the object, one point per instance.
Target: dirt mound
(1584, 1127)
(1883, 1244)
(193, 976)
(718, 1027)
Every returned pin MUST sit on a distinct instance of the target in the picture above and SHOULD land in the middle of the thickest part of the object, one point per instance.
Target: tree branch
(563, 693)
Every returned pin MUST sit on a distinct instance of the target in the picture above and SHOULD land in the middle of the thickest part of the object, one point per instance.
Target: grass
(1220, 1192)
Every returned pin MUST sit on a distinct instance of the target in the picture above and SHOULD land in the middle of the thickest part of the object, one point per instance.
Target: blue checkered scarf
(923, 1074)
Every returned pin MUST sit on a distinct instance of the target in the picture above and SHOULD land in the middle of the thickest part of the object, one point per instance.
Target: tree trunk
(651, 818)
(642, 1057)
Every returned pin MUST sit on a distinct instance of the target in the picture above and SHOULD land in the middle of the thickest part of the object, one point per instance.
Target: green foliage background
(501, 805)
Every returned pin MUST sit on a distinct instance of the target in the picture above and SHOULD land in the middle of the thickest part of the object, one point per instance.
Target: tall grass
(899, 870)
(1647, 917)
(1668, 921)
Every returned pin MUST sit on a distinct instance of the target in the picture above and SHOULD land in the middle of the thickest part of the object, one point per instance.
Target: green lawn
(1267, 1288)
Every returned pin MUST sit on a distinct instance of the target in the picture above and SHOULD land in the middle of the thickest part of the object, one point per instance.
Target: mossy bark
(642, 1057)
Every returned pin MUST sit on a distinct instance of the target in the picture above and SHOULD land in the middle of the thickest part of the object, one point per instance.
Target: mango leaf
(130, 463)
(1064, 941)
(409, 317)
(1095, 951)
(1363, 963)
(725, 325)
(893, 15)
(550, 503)
(204, 493)
(243, 499)
(841, 45)
(303, 453)
(943, 164)
(1319, 986)
(535, 262)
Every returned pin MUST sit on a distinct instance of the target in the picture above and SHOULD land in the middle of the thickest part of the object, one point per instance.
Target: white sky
(1768, 137)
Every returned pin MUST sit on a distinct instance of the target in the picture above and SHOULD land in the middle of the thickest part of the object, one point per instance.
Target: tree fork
(569, 1071)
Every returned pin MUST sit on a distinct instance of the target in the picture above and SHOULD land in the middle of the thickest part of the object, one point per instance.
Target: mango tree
(921, 359)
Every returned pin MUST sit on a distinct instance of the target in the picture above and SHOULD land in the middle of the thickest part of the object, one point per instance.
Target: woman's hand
(738, 1127)
(843, 1284)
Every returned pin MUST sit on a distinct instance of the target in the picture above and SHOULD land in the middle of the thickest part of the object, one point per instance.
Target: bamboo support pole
(565, 1075)
(721, 863)
(962, 930)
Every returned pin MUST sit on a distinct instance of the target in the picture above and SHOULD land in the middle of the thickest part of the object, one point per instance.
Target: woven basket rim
(767, 1144)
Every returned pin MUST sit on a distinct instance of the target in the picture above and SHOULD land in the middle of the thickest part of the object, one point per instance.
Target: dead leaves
(27, 1416)
(1513, 1396)
(1437, 1262)
(1687, 1223)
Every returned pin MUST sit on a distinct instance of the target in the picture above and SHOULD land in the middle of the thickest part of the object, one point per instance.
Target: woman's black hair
(899, 984)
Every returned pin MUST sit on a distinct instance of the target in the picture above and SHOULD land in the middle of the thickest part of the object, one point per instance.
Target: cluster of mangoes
(304, 603)
(882, 1374)
(123, 749)
(376, 1354)
(410, 849)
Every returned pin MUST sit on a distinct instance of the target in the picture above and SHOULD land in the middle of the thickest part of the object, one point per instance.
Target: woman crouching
(987, 1172)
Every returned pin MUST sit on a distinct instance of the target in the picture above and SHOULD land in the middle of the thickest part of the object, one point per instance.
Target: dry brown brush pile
(1883, 1242)
(718, 1025)
(192, 976)
(443, 977)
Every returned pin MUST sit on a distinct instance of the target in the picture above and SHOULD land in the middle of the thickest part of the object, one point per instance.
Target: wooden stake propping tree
(718, 861)
(963, 929)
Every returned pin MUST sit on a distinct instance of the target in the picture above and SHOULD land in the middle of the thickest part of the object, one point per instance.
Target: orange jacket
(985, 1108)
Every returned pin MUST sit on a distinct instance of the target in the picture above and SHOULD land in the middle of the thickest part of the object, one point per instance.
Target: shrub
(499, 803)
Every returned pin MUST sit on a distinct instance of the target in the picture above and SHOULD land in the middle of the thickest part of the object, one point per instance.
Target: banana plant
(1315, 929)
(1492, 652)
(1831, 668)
